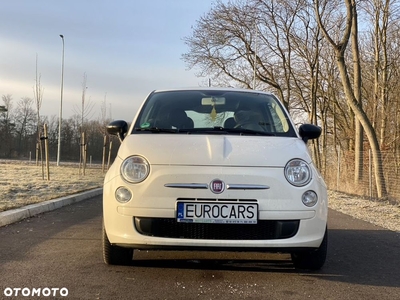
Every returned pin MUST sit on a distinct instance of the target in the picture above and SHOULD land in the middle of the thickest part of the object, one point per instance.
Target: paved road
(62, 250)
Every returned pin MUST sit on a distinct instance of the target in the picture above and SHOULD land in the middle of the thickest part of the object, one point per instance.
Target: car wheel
(114, 255)
(311, 260)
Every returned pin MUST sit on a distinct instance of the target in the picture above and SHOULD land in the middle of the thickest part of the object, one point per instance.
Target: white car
(218, 170)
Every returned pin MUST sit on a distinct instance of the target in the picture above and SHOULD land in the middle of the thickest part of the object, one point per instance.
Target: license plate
(228, 213)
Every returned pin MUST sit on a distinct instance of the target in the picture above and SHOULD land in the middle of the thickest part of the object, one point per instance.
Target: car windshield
(213, 112)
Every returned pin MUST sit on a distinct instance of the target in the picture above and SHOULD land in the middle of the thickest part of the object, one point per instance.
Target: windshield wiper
(157, 130)
(241, 131)
(214, 130)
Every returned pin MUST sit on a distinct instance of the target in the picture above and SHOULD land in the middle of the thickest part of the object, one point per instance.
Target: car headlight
(135, 169)
(297, 172)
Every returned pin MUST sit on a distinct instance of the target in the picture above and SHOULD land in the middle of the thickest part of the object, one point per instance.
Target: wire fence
(340, 174)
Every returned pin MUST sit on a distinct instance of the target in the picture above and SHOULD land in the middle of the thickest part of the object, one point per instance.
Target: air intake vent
(263, 230)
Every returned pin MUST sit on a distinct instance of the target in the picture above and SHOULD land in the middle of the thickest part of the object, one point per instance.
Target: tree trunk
(369, 130)
(359, 134)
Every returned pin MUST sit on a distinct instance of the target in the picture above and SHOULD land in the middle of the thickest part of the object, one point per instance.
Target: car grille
(170, 228)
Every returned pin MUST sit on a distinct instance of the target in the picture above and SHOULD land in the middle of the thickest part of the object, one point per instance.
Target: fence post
(370, 174)
(46, 150)
(109, 156)
(84, 158)
(104, 153)
(338, 170)
(37, 153)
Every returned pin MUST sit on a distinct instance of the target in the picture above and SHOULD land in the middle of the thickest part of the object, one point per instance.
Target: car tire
(114, 255)
(311, 260)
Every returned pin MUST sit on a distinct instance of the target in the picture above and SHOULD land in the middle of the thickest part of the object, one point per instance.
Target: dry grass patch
(22, 183)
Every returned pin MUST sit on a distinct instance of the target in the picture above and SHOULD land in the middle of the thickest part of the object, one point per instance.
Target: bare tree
(7, 126)
(238, 40)
(25, 122)
(38, 96)
(85, 112)
(324, 11)
(383, 17)
(104, 119)
(86, 107)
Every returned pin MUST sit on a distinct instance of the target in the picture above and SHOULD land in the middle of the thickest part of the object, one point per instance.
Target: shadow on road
(220, 264)
(365, 257)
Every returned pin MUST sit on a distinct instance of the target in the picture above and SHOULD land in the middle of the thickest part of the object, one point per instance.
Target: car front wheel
(114, 255)
(311, 260)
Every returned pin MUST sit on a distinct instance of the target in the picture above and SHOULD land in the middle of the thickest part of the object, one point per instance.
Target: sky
(126, 48)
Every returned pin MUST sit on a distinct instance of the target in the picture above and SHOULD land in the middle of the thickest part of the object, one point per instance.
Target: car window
(199, 111)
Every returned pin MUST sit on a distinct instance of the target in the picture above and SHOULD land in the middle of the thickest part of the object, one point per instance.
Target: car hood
(214, 150)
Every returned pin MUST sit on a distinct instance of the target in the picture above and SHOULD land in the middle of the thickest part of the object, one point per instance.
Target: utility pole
(61, 103)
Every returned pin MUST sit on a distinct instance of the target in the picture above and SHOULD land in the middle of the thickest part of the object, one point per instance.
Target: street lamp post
(60, 117)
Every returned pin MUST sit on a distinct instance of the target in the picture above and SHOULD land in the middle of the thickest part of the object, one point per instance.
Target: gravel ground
(381, 213)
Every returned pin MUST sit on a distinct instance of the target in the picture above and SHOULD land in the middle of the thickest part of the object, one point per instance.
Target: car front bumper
(128, 224)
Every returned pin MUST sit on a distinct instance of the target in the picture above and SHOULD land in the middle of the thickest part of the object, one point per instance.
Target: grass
(22, 183)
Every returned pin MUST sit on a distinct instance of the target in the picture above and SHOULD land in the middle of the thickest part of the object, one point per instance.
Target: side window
(146, 119)
(279, 120)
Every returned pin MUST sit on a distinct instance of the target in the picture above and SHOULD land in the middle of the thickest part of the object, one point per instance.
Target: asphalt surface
(61, 251)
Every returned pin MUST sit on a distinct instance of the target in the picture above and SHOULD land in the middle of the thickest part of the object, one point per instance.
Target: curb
(18, 214)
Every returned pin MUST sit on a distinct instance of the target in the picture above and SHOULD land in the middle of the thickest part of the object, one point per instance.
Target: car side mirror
(309, 132)
(118, 128)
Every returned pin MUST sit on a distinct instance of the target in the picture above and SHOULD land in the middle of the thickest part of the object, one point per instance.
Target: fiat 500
(217, 170)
